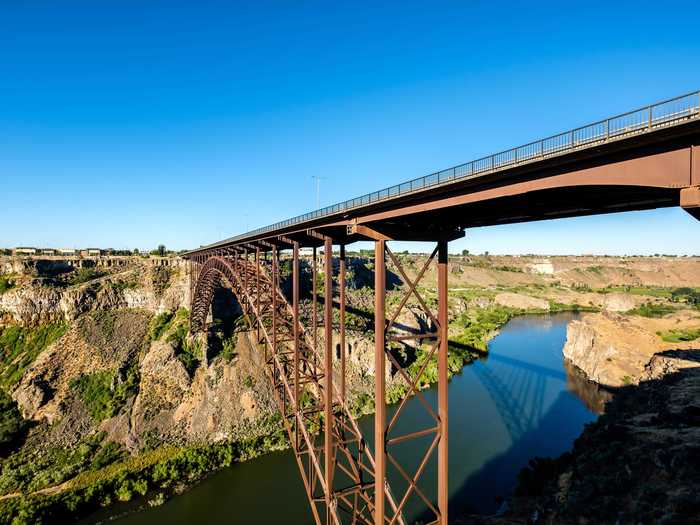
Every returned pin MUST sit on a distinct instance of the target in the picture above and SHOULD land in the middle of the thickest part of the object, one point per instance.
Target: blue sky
(129, 124)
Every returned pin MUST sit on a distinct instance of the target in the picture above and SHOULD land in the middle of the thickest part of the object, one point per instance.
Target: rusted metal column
(295, 315)
(314, 298)
(190, 273)
(442, 382)
(258, 316)
(273, 292)
(245, 276)
(379, 381)
(328, 373)
(341, 279)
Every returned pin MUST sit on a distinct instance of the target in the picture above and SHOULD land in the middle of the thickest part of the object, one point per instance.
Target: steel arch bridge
(643, 159)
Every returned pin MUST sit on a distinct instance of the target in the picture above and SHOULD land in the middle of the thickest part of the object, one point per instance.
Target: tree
(465, 253)
(136, 251)
(161, 250)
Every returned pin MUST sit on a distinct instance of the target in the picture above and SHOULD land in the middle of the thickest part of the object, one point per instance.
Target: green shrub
(12, 425)
(188, 352)
(6, 282)
(20, 346)
(83, 275)
(478, 324)
(159, 325)
(687, 295)
(680, 335)
(108, 454)
(161, 469)
(160, 277)
(105, 393)
(228, 348)
(652, 310)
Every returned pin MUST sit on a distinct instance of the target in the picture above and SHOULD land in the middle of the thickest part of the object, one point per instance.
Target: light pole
(318, 189)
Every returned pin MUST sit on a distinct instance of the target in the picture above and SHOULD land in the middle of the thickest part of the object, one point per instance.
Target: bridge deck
(637, 160)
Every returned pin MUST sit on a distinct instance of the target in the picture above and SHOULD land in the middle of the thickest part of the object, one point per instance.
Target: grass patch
(84, 275)
(20, 346)
(105, 393)
(6, 283)
(652, 310)
(680, 335)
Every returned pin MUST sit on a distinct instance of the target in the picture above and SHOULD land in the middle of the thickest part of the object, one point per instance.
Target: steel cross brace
(385, 333)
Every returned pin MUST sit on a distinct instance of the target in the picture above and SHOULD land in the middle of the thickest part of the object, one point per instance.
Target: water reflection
(529, 404)
(593, 395)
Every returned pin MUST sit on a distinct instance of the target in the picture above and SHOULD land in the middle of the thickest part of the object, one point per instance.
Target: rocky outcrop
(618, 302)
(613, 350)
(34, 304)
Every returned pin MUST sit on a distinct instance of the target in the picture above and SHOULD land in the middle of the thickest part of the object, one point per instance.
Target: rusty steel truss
(644, 159)
(346, 478)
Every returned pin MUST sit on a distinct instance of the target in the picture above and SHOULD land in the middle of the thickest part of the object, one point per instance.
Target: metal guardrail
(644, 120)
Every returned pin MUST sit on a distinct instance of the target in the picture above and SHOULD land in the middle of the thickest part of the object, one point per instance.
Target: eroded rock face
(613, 350)
(618, 302)
(44, 392)
(34, 304)
(524, 302)
(220, 402)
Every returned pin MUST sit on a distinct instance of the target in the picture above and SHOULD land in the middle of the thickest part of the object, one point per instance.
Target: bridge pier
(379, 381)
(443, 493)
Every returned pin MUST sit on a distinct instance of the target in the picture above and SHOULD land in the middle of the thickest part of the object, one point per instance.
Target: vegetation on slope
(680, 335)
(175, 328)
(20, 346)
(6, 282)
(160, 471)
(105, 393)
(12, 425)
(84, 275)
(652, 310)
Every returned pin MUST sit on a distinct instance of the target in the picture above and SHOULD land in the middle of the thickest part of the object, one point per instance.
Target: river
(515, 404)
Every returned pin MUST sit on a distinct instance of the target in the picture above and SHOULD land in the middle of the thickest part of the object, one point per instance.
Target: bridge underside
(345, 481)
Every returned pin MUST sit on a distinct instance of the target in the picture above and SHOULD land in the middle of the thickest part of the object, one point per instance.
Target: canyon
(97, 356)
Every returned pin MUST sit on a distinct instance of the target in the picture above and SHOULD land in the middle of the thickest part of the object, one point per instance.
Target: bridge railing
(644, 120)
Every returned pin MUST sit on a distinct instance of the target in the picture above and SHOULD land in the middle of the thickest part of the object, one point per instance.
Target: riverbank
(154, 476)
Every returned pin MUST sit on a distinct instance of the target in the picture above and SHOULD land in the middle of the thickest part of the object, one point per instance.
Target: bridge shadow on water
(516, 410)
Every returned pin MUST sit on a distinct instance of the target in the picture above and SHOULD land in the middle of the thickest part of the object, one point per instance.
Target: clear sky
(132, 123)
